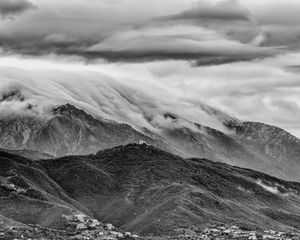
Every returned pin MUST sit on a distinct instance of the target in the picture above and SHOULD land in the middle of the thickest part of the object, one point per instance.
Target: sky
(134, 60)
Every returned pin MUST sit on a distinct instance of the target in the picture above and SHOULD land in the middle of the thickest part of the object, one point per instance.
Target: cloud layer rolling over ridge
(110, 91)
(133, 60)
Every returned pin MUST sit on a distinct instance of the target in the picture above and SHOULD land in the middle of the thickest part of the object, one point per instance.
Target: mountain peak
(65, 108)
(135, 147)
(69, 110)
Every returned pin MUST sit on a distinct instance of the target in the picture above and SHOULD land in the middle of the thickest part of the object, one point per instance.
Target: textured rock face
(251, 145)
(278, 149)
(71, 131)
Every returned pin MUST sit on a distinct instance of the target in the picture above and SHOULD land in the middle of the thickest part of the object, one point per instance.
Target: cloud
(221, 11)
(275, 12)
(14, 7)
(59, 39)
(242, 50)
(175, 42)
(109, 90)
(279, 21)
(137, 32)
(261, 90)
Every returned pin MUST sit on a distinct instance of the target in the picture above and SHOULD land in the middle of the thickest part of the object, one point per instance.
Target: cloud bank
(134, 30)
(141, 93)
(109, 91)
(174, 42)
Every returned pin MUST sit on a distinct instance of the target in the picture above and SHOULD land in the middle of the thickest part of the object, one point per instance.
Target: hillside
(253, 145)
(271, 144)
(145, 190)
(148, 190)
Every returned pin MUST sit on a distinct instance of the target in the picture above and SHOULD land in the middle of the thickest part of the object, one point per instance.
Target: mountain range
(153, 182)
(68, 130)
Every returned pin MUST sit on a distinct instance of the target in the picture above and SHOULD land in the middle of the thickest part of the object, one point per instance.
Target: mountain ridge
(146, 190)
(70, 131)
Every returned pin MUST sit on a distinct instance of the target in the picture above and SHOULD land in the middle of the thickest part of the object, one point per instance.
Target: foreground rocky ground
(82, 227)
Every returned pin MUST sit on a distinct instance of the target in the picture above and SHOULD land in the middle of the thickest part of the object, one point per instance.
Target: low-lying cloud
(141, 93)
(117, 92)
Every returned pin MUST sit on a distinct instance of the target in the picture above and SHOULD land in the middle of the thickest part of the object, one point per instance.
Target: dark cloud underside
(50, 31)
(14, 7)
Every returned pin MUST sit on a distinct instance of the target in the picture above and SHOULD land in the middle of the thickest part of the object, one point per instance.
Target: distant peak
(134, 147)
(67, 109)
(64, 107)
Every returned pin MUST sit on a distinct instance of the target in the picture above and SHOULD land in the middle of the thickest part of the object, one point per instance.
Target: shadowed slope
(147, 190)
(28, 195)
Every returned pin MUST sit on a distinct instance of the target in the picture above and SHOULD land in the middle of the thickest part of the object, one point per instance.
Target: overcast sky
(134, 59)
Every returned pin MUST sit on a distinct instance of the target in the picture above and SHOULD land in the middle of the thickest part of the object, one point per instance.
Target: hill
(145, 190)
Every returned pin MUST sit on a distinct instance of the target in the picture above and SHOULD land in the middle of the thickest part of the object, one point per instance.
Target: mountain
(68, 130)
(145, 190)
(271, 144)
(253, 145)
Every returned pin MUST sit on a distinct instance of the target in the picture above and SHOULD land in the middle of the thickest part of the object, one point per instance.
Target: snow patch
(266, 187)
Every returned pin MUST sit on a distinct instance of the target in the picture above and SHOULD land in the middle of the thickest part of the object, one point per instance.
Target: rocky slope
(257, 146)
(278, 149)
(144, 190)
